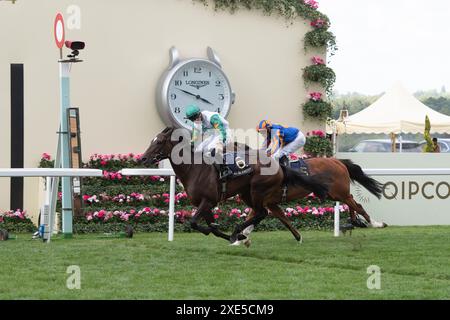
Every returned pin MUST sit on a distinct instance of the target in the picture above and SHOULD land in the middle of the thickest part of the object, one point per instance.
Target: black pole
(17, 134)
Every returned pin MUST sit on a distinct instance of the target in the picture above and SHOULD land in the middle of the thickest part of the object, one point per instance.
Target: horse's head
(160, 147)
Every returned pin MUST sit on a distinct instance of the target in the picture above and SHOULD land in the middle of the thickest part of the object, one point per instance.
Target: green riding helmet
(192, 112)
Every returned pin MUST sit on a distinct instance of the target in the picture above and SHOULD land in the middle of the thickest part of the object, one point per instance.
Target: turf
(414, 262)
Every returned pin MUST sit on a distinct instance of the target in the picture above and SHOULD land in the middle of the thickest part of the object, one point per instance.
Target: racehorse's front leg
(204, 211)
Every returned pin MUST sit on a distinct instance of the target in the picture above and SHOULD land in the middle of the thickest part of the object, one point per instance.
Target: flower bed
(16, 221)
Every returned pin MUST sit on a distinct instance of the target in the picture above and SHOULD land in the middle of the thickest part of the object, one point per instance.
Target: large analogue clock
(193, 81)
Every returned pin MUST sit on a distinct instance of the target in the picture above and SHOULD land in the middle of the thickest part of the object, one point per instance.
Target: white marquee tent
(397, 111)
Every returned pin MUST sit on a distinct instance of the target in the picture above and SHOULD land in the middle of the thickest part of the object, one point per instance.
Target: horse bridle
(158, 157)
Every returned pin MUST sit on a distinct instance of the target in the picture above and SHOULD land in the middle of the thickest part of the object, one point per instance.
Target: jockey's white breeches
(291, 147)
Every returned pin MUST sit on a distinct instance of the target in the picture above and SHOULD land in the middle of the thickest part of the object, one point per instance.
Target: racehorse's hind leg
(374, 223)
(259, 215)
(277, 212)
(356, 207)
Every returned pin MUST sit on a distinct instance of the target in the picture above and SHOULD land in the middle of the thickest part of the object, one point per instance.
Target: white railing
(49, 172)
(52, 176)
(391, 172)
(159, 172)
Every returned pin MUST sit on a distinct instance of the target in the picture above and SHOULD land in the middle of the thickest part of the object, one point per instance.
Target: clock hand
(188, 92)
(204, 100)
(195, 95)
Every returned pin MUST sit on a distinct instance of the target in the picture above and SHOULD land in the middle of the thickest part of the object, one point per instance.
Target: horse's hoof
(247, 243)
(236, 243)
(385, 225)
(241, 237)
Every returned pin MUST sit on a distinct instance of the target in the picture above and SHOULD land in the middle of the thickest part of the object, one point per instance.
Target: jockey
(281, 141)
(214, 127)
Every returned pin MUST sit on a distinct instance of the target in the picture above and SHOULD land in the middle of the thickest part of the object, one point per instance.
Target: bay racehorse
(339, 173)
(201, 181)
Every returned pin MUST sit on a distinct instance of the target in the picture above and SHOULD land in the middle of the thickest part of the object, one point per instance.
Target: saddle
(234, 166)
(300, 165)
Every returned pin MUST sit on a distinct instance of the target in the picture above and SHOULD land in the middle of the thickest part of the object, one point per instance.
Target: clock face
(198, 82)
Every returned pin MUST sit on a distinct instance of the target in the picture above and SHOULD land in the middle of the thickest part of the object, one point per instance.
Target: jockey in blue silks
(281, 141)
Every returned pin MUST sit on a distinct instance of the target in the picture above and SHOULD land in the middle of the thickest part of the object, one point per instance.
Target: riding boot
(284, 161)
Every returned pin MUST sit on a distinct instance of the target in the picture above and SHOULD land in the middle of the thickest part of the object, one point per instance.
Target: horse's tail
(358, 175)
(313, 183)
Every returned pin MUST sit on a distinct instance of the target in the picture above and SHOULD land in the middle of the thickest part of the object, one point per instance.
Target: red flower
(318, 23)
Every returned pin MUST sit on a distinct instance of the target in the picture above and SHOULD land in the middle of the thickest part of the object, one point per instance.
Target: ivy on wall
(319, 37)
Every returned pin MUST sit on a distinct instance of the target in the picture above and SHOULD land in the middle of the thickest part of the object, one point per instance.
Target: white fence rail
(159, 172)
(52, 176)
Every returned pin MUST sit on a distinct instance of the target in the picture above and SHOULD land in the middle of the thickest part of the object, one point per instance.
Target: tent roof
(396, 111)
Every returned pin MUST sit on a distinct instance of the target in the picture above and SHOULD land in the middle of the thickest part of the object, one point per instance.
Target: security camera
(75, 45)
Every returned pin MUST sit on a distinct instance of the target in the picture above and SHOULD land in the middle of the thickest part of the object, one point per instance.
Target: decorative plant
(46, 161)
(316, 108)
(429, 147)
(318, 145)
(322, 74)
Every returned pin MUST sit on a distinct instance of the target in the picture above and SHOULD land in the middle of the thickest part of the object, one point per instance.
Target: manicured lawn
(414, 262)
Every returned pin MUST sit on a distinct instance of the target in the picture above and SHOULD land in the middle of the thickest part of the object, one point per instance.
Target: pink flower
(317, 60)
(315, 96)
(319, 133)
(312, 3)
(46, 156)
(103, 163)
(318, 23)
(101, 214)
(89, 217)
(216, 216)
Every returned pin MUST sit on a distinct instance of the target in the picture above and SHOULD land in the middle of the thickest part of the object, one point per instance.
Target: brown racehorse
(204, 189)
(340, 174)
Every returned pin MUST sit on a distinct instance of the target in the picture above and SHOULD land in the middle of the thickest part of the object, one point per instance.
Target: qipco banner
(406, 199)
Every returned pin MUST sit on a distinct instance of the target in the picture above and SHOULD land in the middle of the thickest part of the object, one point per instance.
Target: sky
(381, 42)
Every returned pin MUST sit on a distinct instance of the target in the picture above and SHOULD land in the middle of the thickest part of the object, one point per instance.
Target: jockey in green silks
(211, 126)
